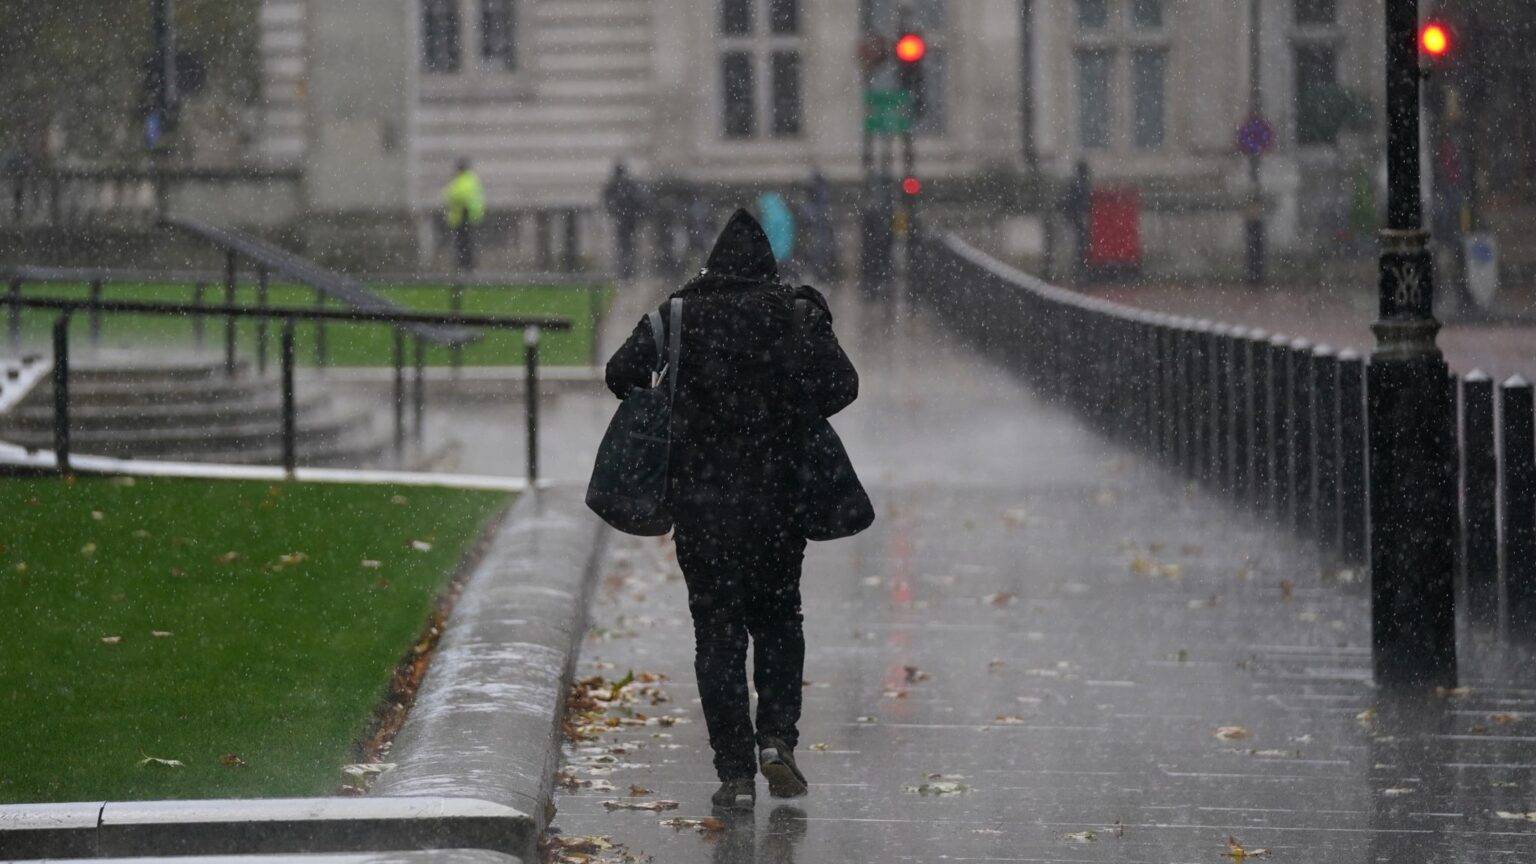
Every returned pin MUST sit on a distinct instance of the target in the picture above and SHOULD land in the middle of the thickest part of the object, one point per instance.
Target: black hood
(743, 251)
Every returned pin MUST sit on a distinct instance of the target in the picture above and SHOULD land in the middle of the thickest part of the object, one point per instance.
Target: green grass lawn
(347, 344)
(189, 620)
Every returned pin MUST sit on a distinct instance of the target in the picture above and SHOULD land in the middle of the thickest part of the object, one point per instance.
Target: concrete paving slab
(486, 720)
(428, 856)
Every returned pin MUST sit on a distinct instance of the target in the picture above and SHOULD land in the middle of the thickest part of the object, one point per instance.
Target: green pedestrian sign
(887, 112)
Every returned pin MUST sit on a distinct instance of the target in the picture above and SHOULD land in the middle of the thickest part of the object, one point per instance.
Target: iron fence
(1276, 424)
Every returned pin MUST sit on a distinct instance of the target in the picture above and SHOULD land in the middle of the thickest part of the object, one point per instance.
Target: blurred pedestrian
(624, 199)
(463, 211)
(1077, 206)
(758, 362)
(778, 222)
(821, 256)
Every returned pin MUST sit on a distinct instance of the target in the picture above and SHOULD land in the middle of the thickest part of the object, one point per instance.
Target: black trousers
(742, 567)
(464, 247)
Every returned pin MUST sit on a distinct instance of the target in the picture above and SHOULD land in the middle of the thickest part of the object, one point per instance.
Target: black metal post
(1300, 357)
(1200, 401)
(1409, 416)
(1258, 419)
(544, 240)
(1518, 493)
(1240, 409)
(290, 425)
(61, 392)
(571, 252)
(1325, 448)
(1352, 435)
(531, 401)
(231, 273)
(13, 317)
(1479, 495)
(456, 305)
(595, 320)
(261, 322)
(1279, 401)
(419, 389)
(399, 395)
(1220, 400)
(198, 290)
(321, 349)
(94, 311)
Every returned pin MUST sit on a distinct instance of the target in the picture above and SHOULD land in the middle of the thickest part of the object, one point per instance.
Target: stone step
(37, 416)
(214, 391)
(140, 372)
(188, 440)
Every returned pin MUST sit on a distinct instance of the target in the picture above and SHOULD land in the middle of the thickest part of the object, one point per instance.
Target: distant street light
(1410, 408)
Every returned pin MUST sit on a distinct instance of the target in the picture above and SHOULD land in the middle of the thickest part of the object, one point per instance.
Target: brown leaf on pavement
(1236, 852)
(1233, 733)
(651, 806)
(230, 760)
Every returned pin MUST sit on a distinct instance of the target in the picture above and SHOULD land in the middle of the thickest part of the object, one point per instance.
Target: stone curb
(475, 758)
(486, 723)
(430, 856)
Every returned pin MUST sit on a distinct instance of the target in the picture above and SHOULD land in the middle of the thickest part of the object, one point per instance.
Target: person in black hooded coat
(742, 395)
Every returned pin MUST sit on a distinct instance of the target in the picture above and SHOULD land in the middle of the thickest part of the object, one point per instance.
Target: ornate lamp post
(1410, 409)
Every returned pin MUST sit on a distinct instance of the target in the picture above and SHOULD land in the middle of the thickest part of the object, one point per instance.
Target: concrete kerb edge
(472, 750)
(486, 722)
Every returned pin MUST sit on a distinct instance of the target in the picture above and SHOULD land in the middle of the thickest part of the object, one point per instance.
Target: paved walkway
(1045, 651)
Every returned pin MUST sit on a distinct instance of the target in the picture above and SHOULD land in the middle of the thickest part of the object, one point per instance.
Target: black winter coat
(744, 390)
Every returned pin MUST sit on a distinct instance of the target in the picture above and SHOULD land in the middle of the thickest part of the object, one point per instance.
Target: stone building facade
(375, 99)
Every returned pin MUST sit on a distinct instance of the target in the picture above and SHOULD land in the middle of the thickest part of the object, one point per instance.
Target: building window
(738, 94)
(1095, 112)
(1147, 14)
(1317, 94)
(761, 86)
(1317, 13)
(1148, 68)
(498, 34)
(786, 94)
(440, 36)
(1093, 14)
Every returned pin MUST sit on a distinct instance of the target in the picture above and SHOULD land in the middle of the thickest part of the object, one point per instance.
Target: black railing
(455, 287)
(400, 321)
(122, 197)
(1277, 424)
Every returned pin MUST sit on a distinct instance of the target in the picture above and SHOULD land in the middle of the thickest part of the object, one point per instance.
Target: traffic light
(911, 186)
(1435, 40)
(910, 49)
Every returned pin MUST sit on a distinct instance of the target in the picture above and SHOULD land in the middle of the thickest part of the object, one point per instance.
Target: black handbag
(628, 488)
(831, 502)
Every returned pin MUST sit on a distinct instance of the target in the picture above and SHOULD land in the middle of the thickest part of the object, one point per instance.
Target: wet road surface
(1045, 651)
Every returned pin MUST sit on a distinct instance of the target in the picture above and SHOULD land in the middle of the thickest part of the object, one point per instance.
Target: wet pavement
(1045, 650)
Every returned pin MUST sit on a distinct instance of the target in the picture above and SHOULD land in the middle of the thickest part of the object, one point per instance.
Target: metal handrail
(532, 326)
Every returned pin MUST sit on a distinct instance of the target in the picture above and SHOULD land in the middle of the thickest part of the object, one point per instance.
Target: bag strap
(654, 317)
(675, 343)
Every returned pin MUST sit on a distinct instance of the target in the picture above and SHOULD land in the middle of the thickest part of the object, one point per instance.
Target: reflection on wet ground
(1046, 651)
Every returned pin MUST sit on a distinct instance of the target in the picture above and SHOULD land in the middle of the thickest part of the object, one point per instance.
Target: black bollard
(1279, 426)
(1300, 412)
(1517, 457)
(1220, 445)
(1479, 495)
(1325, 448)
(1352, 504)
(1240, 422)
(1258, 419)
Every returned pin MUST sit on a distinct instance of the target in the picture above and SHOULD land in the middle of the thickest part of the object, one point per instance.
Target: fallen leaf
(1236, 852)
(1287, 590)
(230, 760)
(1505, 719)
(141, 534)
(111, 640)
(364, 769)
(227, 558)
(160, 634)
(1232, 733)
(371, 564)
(421, 546)
(636, 790)
(156, 760)
(649, 806)
(398, 500)
(1519, 817)
(821, 747)
(707, 825)
(1002, 598)
(1008, 720)
(915, 675)
(1081, 837)
(1142, 566)
(292, 558)
(97, 515)
(88, 549)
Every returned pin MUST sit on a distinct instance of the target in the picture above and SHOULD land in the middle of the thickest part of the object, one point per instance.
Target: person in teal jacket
(463, 209)
(778, 223)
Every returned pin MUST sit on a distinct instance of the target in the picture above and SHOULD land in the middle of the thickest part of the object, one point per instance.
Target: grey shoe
(778, 765)
(738, 794)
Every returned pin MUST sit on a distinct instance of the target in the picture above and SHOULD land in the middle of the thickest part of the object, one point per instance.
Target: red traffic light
(911, 48)
(911, 185)
(1435, 40)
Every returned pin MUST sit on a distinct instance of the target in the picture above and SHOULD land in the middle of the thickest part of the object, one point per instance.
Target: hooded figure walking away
(747, 377)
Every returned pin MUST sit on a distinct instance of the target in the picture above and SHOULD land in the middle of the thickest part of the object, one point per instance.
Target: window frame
(761, 45)
(1123, 40)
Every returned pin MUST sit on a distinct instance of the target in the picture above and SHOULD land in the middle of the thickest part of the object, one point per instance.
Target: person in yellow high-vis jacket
(463, 209)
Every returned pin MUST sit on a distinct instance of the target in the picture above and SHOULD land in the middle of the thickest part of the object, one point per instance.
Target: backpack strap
(654, 317)
(675, 343)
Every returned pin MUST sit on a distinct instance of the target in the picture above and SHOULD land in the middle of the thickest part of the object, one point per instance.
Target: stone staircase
(188, 410)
